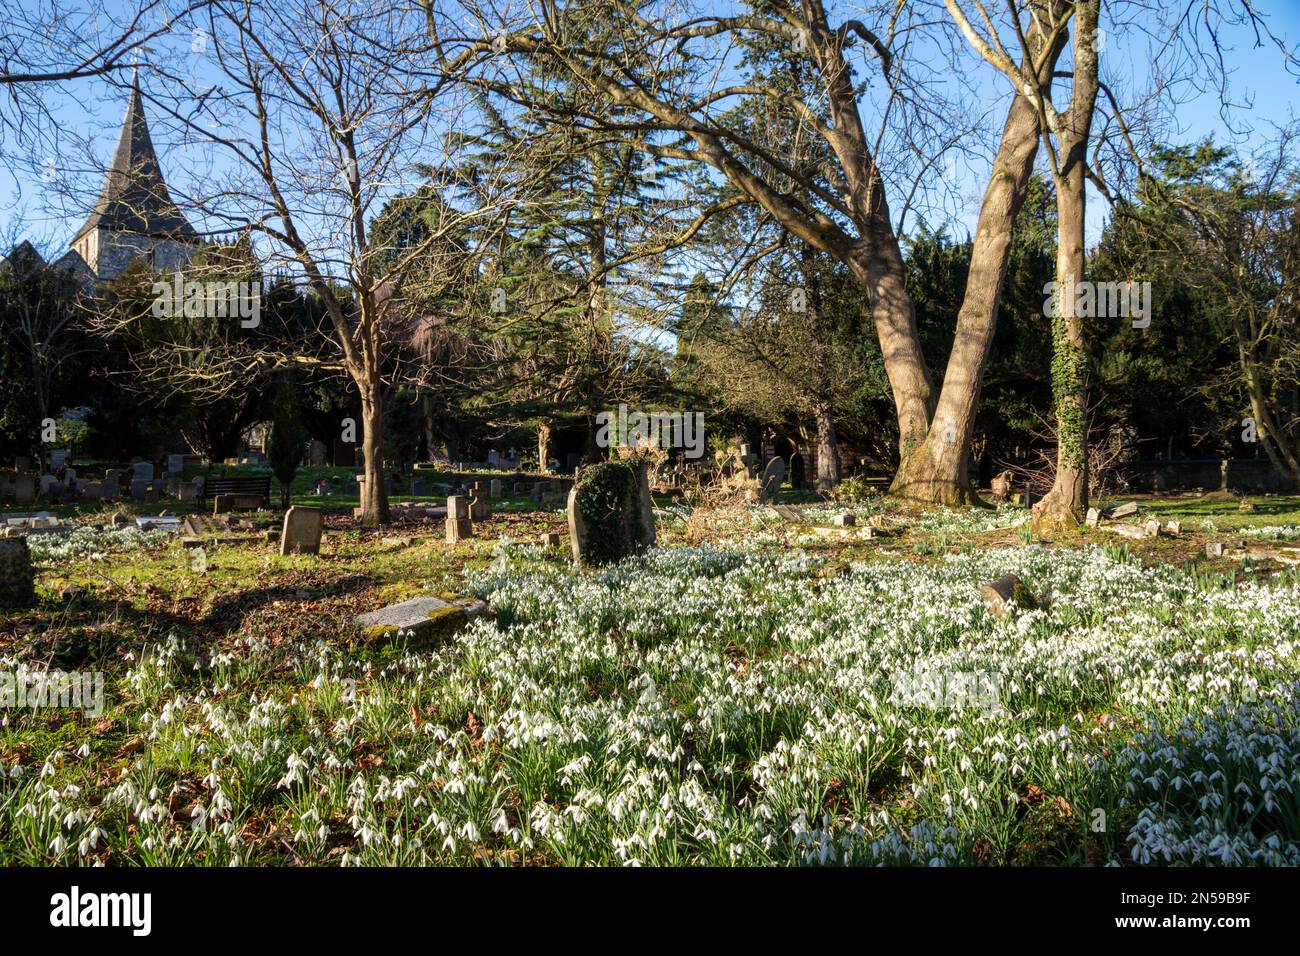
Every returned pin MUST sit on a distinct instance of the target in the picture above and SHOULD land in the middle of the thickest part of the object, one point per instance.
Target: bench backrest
(242, 485)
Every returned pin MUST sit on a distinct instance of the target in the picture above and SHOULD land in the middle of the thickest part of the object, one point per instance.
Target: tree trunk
(374, 497)
(544, 448)
(828, 458)
(430, 432)
(828, 462)
(881, 270)
(938, 470)
(1063, 507)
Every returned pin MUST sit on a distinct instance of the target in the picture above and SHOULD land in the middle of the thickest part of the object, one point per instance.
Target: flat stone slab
(421, 621)
(159, 523)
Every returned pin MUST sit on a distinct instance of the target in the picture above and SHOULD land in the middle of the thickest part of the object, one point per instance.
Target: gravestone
(772, 480)
(48, 484)
(1214, 549)
(17, 579)
(301, 532)
(458, 521)
(551, 539)
(536, 493)
(493, 458)
(1123, 511)
(1008, 592)
(224, 504)
(1093, 518)
(419, 621)
(480, 508)
(611, 513)
(845, 520)
(512, 458)
(175, 464)
(317, 454)
(139, 489)
(59, 458)
(142, 471)
(108, 488)
(25, 489)
(494, 488)
(1001, 485)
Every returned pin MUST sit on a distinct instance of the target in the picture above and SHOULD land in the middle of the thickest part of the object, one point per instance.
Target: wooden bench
(247, 491)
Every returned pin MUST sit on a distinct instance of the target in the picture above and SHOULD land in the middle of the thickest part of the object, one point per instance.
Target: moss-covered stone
(611, 514)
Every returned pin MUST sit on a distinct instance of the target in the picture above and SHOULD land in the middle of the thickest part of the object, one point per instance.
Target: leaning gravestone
(1006, 593)
(17, 579)
(419, 621)
(772, 480)
(301, 532)
(611, 514)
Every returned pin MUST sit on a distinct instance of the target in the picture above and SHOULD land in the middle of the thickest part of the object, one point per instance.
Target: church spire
(134, 198)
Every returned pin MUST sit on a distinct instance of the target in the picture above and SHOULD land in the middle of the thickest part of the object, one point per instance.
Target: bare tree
(321, 111)
(673, 88)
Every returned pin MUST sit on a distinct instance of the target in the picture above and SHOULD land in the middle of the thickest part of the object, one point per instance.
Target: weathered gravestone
(772, 480)
(25, 489)
(494, 488)
(611, 513)
(142, 471)
(1007, 592)
(1001, 485)
(480, 509)
(419, 621)
(458, 523)
(17, 579)
(301, 532)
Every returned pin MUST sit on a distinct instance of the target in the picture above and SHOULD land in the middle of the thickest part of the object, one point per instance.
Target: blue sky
(1261, 90)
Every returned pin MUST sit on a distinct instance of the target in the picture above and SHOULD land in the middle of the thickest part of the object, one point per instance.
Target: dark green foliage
(604, 490)
(288, 436)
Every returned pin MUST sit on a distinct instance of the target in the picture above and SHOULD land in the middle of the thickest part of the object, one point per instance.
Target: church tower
(135, 217)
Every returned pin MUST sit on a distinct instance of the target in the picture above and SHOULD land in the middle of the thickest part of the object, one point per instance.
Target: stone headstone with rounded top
(772, 480)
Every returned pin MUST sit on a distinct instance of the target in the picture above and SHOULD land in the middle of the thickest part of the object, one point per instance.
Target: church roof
(135, 197)
(72, 261)
(23, 257)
